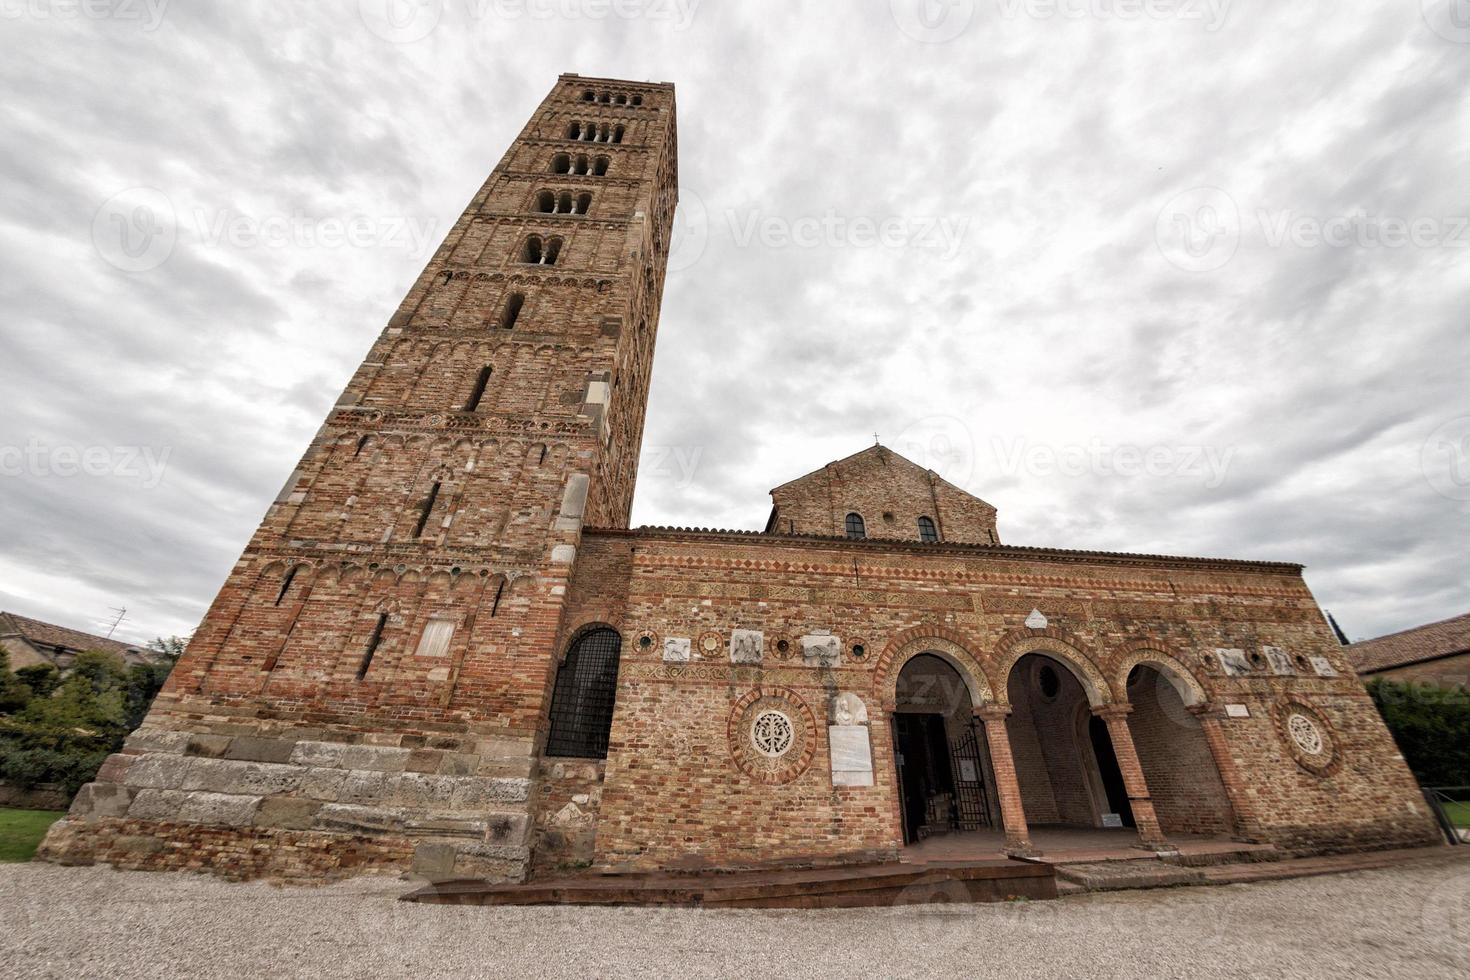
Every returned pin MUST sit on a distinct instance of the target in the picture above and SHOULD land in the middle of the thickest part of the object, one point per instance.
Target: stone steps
(844, 887)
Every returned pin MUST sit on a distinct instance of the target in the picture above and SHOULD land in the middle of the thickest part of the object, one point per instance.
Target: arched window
(564, 203)
(589, 96)
(928, 533)
(599, 168)
(582, 702)
(617, 136)
(855, 526)
(512, 310)
(637, 100)
(546, 202)
(539, 252)
(584, 201)
(561, 163)
(477, 393)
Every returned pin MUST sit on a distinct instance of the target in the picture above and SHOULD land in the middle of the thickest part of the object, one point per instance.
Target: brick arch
(949, 645)
(1062, 647)
(1153, 654)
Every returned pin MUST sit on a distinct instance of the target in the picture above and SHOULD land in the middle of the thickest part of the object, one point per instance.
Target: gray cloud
(1053, 319)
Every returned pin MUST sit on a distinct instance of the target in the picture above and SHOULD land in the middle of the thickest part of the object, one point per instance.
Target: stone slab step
(846, 887)
(1229, 874)
(1114, 875)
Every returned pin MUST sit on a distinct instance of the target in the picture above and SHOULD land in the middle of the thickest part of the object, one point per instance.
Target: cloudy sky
(1179, 276)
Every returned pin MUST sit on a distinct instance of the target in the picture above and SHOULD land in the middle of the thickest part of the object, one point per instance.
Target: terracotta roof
(1443, 639)
(51, 635)
(950, 547)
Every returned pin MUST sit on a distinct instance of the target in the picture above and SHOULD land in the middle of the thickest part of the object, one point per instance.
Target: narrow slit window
(286, 583)
(477, 393)
(372, 646)
(425, 510)
(512, 311)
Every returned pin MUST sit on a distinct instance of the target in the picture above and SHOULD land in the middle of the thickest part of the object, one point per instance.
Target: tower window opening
(856, 529)
(286, 583)
(512, 311)
(561, 163)
(546, 202)
(564, 203)
(478, 392)
(372, 646)
(928, 533)
(599, 168)
(425, 510)
(617, 136)
(582, 204)
(495, 606)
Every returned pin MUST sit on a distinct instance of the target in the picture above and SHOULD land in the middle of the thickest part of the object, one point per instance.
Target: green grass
(21, 831)
(1459, 813)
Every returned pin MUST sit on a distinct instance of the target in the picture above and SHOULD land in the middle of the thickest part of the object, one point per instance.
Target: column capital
(992, 712)
(1113, 709)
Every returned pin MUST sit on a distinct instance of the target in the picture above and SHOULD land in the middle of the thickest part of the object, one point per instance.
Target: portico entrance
(944, 776)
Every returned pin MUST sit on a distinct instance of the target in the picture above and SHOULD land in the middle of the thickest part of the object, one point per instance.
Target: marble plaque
(1279, 661)
(848, 709)
(1112, 820)
(821, 650)
(1237, 711)
(746, 646)
(676, 649)
(1323, 667)
(1234, 662)
(852, 756)
(1036, 620)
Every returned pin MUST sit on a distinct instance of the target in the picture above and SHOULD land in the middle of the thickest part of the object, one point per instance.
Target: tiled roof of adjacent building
(50, 635)
(953, 547)
(1443, 639)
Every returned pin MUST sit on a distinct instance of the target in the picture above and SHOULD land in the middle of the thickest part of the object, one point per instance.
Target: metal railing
(1451, 806)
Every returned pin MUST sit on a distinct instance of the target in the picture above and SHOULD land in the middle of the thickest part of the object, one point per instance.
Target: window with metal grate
(582, 702)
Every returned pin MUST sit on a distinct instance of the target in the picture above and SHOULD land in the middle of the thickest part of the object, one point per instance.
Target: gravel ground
(95, 922)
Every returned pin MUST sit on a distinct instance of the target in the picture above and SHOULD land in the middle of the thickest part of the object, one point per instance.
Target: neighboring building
(1438, 653)
(444, 650)
(30, 642)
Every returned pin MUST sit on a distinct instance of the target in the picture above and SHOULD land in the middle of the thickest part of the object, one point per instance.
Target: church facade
(444, 650)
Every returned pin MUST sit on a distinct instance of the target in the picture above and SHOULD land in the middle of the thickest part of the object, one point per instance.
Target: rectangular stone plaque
(1234, 662)
(852, 756)
(676, 649)
(1112, 819)
(1237, 711)
(1323, 667)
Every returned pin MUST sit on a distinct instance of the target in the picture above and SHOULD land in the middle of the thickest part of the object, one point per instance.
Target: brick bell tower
(369, 689)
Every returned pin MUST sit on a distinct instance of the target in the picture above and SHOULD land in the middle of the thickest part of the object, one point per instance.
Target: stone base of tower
(269, 805)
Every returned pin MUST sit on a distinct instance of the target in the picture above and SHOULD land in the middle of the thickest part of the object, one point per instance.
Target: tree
(42, 679)
(14, 694)
(1432, 727)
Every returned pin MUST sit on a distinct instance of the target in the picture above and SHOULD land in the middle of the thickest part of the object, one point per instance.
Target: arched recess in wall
(583, 698)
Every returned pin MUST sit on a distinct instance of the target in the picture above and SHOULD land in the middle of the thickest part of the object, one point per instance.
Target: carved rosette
(1307, 735)
(772, 735)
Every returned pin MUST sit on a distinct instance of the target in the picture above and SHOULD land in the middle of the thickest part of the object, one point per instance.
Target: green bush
(1432, 727)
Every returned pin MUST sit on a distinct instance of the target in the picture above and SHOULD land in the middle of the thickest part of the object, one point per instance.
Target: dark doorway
(1107, 767)
(925, 778)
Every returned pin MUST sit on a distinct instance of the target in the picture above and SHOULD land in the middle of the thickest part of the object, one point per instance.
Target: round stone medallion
(772, 735)
(1308, 736)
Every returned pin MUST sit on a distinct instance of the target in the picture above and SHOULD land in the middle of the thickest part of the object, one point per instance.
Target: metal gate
(967, 760)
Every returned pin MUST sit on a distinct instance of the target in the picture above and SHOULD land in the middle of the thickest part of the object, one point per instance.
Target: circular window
(1048, 681)
(772, 734)
(859, 651)
(1305, 733)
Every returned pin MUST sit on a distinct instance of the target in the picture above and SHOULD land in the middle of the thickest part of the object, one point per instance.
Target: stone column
(1007, 787)
(1145, 821)
(1247, 823)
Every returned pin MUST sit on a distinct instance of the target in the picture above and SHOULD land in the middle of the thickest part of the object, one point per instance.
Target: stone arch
(946, 644)
(1062, 647)
(1190, 690)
